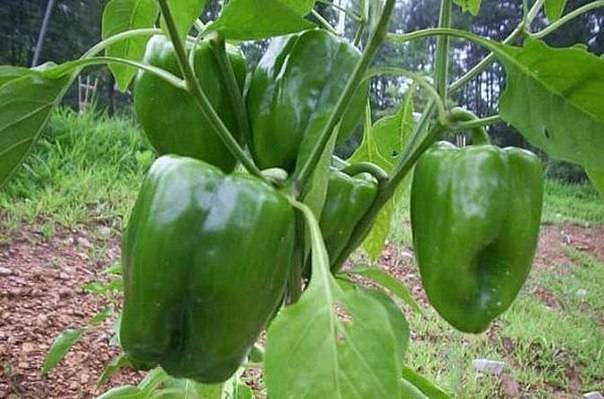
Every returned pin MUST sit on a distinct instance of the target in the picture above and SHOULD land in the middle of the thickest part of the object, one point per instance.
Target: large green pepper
(475, 215)
(170, 117)
(348, 199)
(293, 92)
(206, 258)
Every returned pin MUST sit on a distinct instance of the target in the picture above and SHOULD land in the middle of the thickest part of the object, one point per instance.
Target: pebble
(593, 395)
(485, 366)
(581, 292)
(5, 272)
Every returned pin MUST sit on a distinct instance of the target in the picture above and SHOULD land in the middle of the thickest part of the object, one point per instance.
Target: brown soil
(41, 294)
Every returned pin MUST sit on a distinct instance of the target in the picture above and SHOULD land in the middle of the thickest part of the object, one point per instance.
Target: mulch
(41, 294)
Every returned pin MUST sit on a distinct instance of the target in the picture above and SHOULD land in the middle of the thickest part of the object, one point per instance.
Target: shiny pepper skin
(293, 92)
(170, 116)
(206, 258)
(348, 199)
(475, 215)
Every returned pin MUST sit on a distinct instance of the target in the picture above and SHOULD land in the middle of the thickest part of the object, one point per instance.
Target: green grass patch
(86, 168)
(572, 203)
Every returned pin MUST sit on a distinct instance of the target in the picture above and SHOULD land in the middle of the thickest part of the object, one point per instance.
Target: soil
(41, 294)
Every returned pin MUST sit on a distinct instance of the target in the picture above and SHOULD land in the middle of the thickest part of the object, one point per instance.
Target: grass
(87, 169)
(546, 349)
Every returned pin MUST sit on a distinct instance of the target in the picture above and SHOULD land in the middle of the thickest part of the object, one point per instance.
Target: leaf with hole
(120, 16)
(554, 98)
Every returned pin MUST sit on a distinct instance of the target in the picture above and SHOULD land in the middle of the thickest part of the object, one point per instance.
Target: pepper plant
(245, 221)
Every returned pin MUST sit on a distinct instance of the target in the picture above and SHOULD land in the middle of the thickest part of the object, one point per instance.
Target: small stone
(105, 231)
(5, 272)
(581, 293)
(28, 347)
(486, 366)
(593, 395)
(84, 242)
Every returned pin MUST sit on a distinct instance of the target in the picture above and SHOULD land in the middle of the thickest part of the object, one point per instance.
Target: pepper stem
(478, 133)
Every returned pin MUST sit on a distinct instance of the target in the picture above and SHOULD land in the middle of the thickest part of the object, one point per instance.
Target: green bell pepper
(293, 92)
(206, 258)
(170, 117)
(475, 215)
(348, 199)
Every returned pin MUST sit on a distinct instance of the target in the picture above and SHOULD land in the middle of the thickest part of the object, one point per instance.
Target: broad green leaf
(59, 348)
(597, 179)
(185, 13)
(384, 279)
(472, 6)
(375, 241)
(554, 9)
(397, 319)
(9, 72)
(123, 392)
(258, 19)
(25, 106)
(120, 16)
(302, 7)
(332, 343)
(116, 364)
(554, 98)
(424, 385)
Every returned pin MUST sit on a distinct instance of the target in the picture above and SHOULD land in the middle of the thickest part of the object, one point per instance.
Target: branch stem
(202, 100)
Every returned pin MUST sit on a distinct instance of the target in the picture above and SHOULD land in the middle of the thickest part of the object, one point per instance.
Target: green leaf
(554, 9)
(185, 13)
(301, 7)
(116, 364)
(25, 106)
(9, 72)
(473, 6)
(597, 179)
(153, 380)
(120, 16)
(123, 392)
(335, 343)
(101, 316)
(382, 144)
(384, 279)
(424, 385)
(258, 19)
(59, 348)
(554, 98)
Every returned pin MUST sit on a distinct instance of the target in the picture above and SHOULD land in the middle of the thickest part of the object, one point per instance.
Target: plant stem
(490, 120)
(438, 102)
(102, 45)
(478, 134)
(340, 8)
(160, 73)
(567, 18)
(485, 62)
(233, 91)
(300, 177)
(408, 159)
(441, 67)
(202, 100)
(324, 22)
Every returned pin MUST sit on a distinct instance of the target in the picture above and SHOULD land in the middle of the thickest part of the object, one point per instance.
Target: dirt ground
(41, 294)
